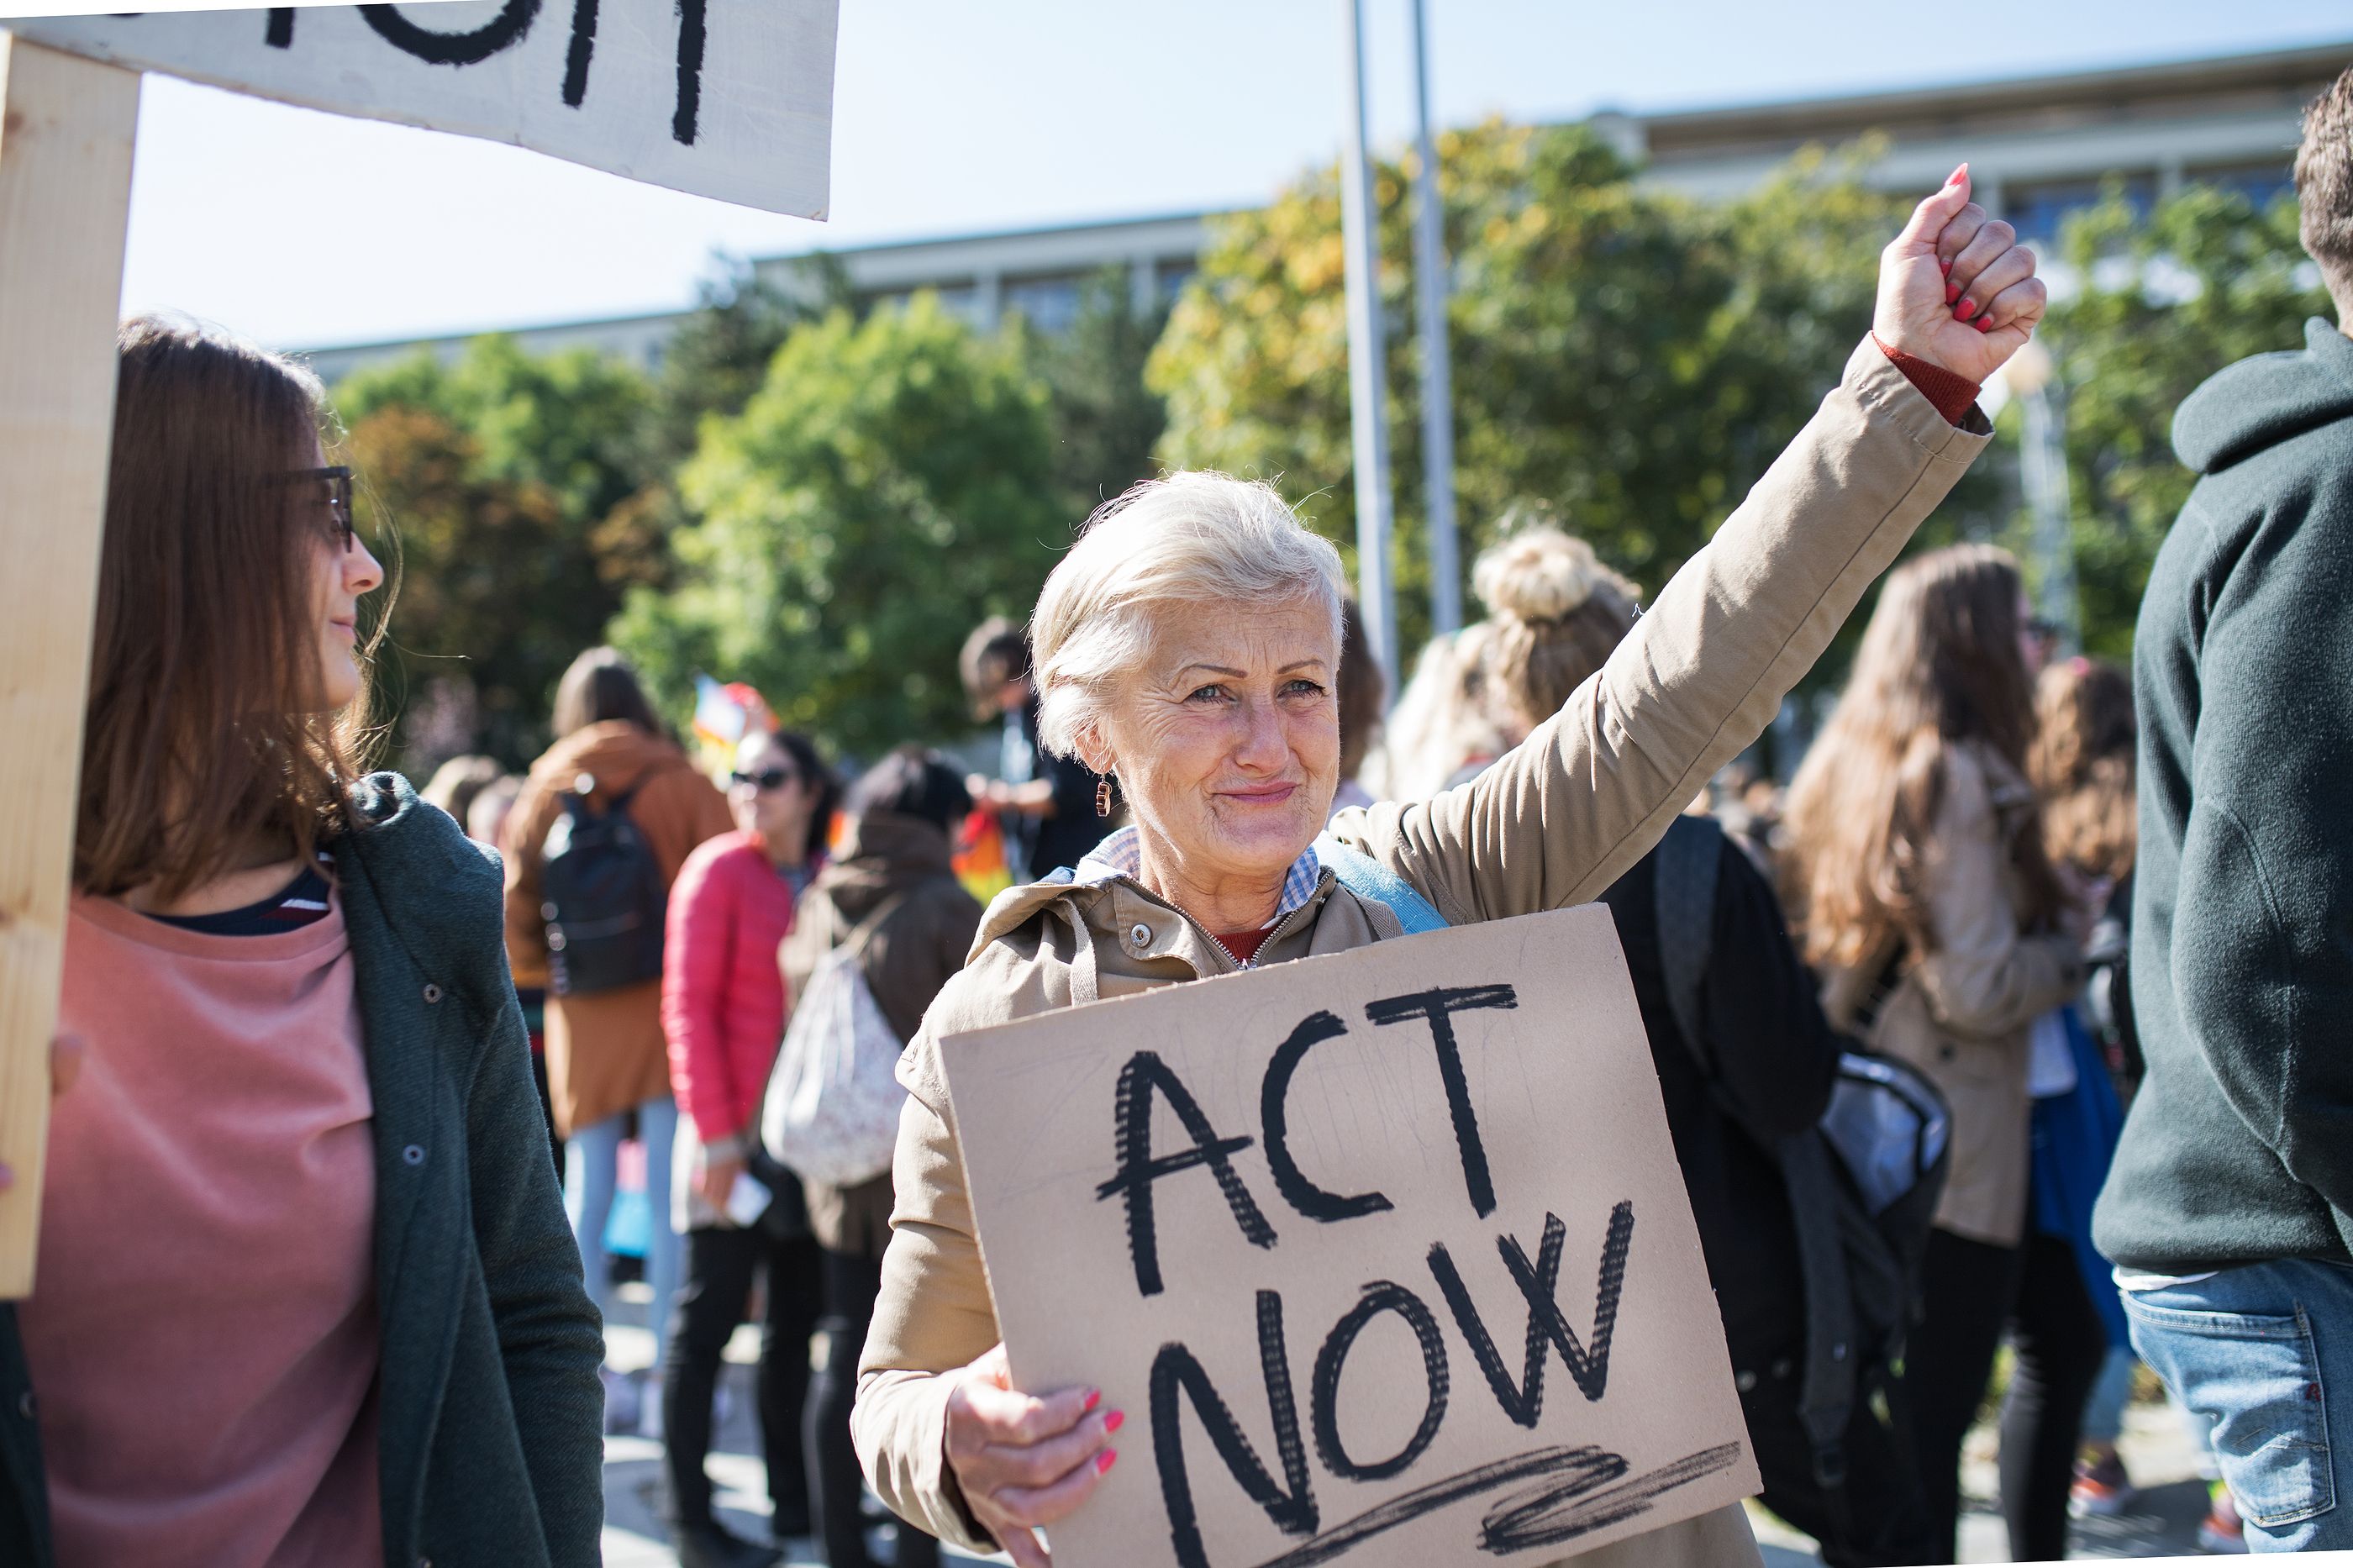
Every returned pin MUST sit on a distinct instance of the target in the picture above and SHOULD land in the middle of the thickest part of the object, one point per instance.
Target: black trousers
(1970, 1292)
(1876, 1520)
(709, 1303)
(851, 1284)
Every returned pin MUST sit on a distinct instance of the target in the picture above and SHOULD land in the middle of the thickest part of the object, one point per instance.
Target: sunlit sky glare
(303, 229)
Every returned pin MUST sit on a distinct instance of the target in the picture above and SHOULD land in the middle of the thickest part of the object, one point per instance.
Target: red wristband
(1953, 396)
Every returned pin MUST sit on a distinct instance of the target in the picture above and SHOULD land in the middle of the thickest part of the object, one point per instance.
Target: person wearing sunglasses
(722, 1016)
(305, 1293)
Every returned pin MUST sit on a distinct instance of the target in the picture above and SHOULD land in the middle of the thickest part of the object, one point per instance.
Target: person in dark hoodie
(894, 853)
(2229, 1211)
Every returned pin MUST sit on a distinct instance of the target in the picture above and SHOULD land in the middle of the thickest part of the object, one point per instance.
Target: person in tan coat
(1188, 646)
(1917, 869)
(606, 1052)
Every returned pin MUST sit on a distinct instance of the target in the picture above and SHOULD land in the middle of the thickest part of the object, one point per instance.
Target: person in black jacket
(1049, 805)
(2228, 1210)
(1762, 1071)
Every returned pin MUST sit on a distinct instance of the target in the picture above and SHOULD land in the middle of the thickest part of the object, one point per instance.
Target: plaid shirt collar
(1122, 855)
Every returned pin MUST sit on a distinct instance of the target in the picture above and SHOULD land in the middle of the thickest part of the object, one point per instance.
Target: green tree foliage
(719, 355)
(1104, 421)
(888, 486)
(1624, 360)
(2161, 303)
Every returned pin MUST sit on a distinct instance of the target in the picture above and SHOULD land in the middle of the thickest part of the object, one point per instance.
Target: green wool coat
(2240, 1146)
(491, 1439)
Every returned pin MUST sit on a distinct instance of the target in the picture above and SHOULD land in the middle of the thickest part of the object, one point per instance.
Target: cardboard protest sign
(1385, 1256)
(731, 99)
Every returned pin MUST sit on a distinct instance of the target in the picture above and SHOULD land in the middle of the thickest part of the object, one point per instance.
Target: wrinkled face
(341, 573)
(768, 796)
(1227, 742)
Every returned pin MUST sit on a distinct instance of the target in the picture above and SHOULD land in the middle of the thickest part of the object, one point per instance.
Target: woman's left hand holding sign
(1025, 1460)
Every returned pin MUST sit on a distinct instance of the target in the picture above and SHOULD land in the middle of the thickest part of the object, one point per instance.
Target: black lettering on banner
(281, 32)
(1523, 1401)
(575, 58)
(452, 48)
(1274, 1095)
(1591, 1368)
(1324, 1393)
(1556, 1510)
(1438, 1006)
(1292, 1505)
(691, 40)
(1566, 1473)
(1145, 1076)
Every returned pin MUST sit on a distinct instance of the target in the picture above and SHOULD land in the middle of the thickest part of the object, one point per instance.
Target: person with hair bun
(1558, 613)
(305, 1293)
(1189, 644)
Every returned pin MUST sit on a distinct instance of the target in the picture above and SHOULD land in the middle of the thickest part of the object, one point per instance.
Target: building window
(2039, 211)
(1171, 276)
(2261, 183)
(1048, 304)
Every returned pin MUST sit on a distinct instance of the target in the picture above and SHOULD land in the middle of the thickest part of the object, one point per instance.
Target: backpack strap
(1368, 879)
(1683, 871)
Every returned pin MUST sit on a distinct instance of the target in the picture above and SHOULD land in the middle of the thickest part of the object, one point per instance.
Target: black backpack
(1864, 1182)
(602, 896)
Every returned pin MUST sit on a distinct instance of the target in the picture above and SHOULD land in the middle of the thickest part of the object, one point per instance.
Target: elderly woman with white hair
(1188, 646)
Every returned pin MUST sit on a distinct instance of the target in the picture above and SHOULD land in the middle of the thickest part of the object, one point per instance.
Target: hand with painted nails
(1025, 1461)
(64, 1065)
(1956, 288)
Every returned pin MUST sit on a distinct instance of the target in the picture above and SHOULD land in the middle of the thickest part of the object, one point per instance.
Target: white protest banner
(1385, 1256)
(97, 7)
(731, 99)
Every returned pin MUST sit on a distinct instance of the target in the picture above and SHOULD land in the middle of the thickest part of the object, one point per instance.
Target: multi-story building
(2037, 147)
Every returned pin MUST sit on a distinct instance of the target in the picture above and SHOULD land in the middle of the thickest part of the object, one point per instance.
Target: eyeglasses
(338, 480)
(772, 778)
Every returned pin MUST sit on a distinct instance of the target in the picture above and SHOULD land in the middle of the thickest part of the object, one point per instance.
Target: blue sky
(303, 229)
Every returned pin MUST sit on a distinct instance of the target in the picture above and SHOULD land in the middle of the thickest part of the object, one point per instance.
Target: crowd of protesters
(312, 1287)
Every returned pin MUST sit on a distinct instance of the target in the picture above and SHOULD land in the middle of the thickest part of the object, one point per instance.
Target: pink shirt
(202, 1334)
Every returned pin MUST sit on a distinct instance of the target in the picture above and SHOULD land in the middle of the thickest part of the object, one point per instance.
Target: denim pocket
(2256, 1376)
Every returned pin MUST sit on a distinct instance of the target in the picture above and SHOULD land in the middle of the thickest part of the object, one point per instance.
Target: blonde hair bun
(1542, 574)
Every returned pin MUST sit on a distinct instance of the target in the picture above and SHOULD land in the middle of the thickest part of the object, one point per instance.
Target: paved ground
(2163, 1523)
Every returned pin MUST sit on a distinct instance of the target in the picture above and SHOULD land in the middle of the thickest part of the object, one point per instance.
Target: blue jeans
(2259, 1351)
(590, 1173)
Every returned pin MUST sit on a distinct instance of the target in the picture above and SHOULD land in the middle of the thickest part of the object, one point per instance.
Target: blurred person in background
(608, 1064)
(2229, 1215)
(1049, 805)
(723, 1009)
(484, 819)
(1440, 725)
(893, 871)
(457, 781)
(305, 1290)
(1915, 860)
(1363, 692)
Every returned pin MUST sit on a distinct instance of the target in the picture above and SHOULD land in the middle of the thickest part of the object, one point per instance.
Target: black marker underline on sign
(1534, 1516)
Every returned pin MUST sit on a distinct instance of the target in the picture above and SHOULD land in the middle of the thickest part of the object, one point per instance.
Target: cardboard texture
(1385, 1255)
(731, 99)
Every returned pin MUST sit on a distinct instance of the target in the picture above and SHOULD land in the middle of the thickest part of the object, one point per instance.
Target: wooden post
(66, 129)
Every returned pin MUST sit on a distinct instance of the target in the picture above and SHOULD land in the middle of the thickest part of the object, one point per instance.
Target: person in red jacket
(723, 1016)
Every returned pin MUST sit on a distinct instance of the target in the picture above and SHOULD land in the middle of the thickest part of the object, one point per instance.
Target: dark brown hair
(1939, 665)
(1362, 691)
(599, 687)
(2324, 189)
(996, 653)
(198, 742)
(2081, 765)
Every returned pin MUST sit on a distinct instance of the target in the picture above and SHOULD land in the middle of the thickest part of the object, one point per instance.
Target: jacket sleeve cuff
(735, 1146)
(1952, 394)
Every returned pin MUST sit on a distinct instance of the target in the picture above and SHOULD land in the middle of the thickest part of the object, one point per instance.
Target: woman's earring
(1102, 795)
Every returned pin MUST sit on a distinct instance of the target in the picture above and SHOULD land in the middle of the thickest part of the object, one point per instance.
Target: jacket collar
(1122, 855)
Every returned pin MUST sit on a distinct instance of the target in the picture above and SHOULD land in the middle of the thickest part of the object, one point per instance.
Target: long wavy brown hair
(199, 743)
(1939, 665)
(2081, 765)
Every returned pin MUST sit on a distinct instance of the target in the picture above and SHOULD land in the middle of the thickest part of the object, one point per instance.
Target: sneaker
(2221, 1532)
(2102, 1490)
(624, 1403)
(710, 1544)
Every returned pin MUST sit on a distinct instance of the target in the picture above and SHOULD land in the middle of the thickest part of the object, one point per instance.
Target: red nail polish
(1952, 290)
(1966, 309)
(1115, 1421)
(1105, 1460)
(1944, 265)
(1094, 1398)
(1955, 177)
(1985, 323)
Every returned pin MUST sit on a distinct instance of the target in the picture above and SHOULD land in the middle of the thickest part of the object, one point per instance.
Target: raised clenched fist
(1956, 288)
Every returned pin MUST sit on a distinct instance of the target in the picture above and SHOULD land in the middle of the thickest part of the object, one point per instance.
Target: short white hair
(1191, 538)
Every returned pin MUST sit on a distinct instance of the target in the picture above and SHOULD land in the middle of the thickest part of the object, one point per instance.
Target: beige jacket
(1553, 824)
(1960, 1012)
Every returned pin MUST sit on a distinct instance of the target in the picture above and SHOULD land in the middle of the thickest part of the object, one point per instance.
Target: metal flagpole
(1436, 368)
(1375, 599)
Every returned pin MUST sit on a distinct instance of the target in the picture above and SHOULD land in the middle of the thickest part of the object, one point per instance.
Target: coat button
(24, 1404)
(1139, 934)
(432, 993)
(413, 1154)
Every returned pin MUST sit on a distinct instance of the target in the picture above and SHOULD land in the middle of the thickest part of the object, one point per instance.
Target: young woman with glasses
(305, 1291)
(723, 1016)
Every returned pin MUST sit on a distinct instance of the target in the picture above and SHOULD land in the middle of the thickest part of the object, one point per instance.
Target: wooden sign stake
(66, 130)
